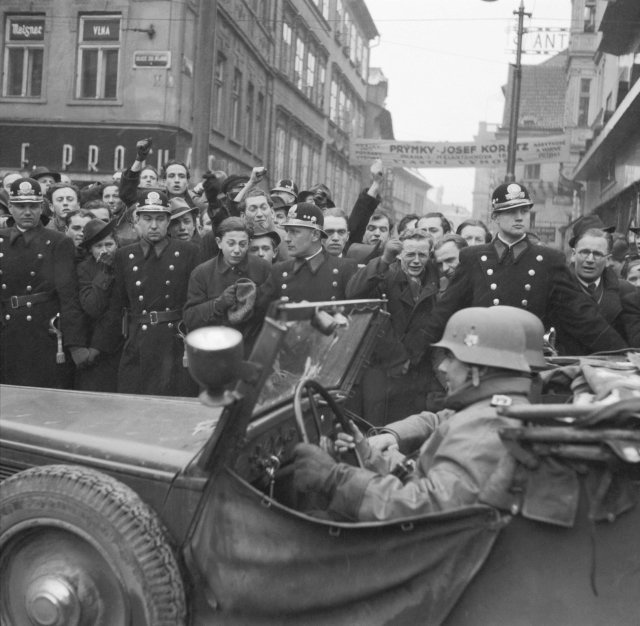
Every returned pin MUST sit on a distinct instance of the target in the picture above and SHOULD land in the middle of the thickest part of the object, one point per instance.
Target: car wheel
(79, 548)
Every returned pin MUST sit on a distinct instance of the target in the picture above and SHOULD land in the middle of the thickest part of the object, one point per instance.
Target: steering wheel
(311, 387)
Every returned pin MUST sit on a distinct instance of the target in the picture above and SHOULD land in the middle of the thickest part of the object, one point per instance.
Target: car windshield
(306, 352)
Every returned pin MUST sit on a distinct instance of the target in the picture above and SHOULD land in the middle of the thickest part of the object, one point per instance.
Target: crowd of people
(101, 284)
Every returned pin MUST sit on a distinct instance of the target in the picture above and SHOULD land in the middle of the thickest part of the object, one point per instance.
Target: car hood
(71, 426)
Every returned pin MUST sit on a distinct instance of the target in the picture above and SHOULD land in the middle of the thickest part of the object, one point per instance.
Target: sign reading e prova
(81, 149)
(26, 29)
(488, 153)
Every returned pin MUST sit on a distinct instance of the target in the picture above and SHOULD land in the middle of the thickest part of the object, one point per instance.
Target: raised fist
(143, 147)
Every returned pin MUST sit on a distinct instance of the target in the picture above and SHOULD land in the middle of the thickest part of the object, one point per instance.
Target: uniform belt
(158, 317)
(17, 302)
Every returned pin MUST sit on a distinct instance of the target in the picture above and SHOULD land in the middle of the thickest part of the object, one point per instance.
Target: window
(311, 75)
(249, 119)
(235, 104)
(287, 38)
(24, 53)
(292, 169)
(532, 171)
(299, 63)
(304, 166)
(589, 16)
(583, 102)
(99, 49)
(322, 76)
(218, 91)
(281, 138)
(333, 103)
(259, 136)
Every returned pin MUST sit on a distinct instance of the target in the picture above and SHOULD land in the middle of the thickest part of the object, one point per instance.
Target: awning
(619, 26)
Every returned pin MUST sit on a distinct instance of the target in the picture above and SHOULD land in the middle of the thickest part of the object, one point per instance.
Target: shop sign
(101, 30)
(26, 29)
(152, 58)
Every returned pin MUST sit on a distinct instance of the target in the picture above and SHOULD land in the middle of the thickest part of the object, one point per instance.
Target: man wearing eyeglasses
(511, 270)
(617, 300)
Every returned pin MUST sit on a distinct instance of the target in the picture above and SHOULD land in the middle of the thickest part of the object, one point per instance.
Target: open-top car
(130, 510)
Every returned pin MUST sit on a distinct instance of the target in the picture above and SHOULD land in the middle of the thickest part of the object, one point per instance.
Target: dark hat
(152, 201)
(583, 224)
(96, 230)
(286, 185)
(280, 203)
(306, 214)
(41, 170)
(510, 196)
(25, 190)
(319, 189)
(272, 234)
(180, 207)
(232, 181)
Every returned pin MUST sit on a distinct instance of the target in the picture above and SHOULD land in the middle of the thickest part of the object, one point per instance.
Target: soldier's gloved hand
(312, 468)
(392, 249)
(79, 355)
(143, 147)
(93, 355)
(225, 300)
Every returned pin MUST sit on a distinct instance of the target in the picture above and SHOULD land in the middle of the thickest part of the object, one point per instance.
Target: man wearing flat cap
(151, 278)
(38, 283)
(310, 273)
(512, 271)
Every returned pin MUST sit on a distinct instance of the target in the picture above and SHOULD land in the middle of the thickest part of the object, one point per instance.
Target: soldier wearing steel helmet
(38, 281)
(150, 285)
(513, 271)
(485, 367)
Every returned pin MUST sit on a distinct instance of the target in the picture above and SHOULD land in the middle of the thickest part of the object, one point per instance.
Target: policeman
(485, 367)
(38, 283)
(311, 273)
(512, 271)
(151, 279)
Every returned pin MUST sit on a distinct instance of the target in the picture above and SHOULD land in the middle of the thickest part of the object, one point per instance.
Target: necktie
(591, 288)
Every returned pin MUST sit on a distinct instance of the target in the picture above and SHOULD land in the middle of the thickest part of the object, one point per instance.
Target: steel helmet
(485, 336)
(510, 196)
(533, 335)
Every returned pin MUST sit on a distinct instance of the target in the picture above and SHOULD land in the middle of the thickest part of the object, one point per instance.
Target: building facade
(277, 83)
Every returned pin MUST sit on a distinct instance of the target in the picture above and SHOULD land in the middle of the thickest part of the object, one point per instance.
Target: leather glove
(79, 355)
(212, 186)
(312, 468)
(225, 300)
(143, 147)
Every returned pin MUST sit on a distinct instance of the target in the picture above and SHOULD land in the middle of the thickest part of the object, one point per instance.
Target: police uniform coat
(322, 278)
(95, 283)
(148, 284)
(39, 261)
(453, 466)
(534, 278)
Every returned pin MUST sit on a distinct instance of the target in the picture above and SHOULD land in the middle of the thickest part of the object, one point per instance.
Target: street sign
(152, 58)
(544, 40)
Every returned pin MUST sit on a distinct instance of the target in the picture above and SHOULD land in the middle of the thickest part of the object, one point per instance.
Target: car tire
(79, 548)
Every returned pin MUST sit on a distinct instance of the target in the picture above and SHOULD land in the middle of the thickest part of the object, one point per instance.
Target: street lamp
(515, 97)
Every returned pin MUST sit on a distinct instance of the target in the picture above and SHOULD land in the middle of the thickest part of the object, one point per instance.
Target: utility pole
(202, 86)
(515, 99)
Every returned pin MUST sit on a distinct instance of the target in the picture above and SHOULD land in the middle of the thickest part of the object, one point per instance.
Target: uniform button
(284, 286)
(167, 297)
(285, 274)
(532, 272)
(483, 258)
(29, 305)
(334, 283)
(1, 254)
(32, 273)
(284, 299)
(29, 318)
(171, 267)
(489, 272)
(525, 302)
(1, 239)
(40, 255)
(144, 311)
(144, 327)
(168, 282)
(48, 242)
(138, 283)
(493, 286)
(29, 287)
(7, 317)
(335, 270)
(170, 325)
(141, 298)
(176, 253)
(496, 302)
(515, 509)
(333, 297)
(527, 287)
(131, 256)
(539, 258)
(135, 268)
(4, 286)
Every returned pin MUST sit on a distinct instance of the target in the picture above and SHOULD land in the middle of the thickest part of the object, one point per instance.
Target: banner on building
(486, 153)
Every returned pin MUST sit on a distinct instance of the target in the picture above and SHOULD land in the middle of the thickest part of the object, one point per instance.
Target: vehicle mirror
(215, 361)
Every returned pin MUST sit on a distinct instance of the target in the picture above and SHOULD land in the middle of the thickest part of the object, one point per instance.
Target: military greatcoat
(532, 277)
(322, 278)
(151, 285)
(38, 282)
